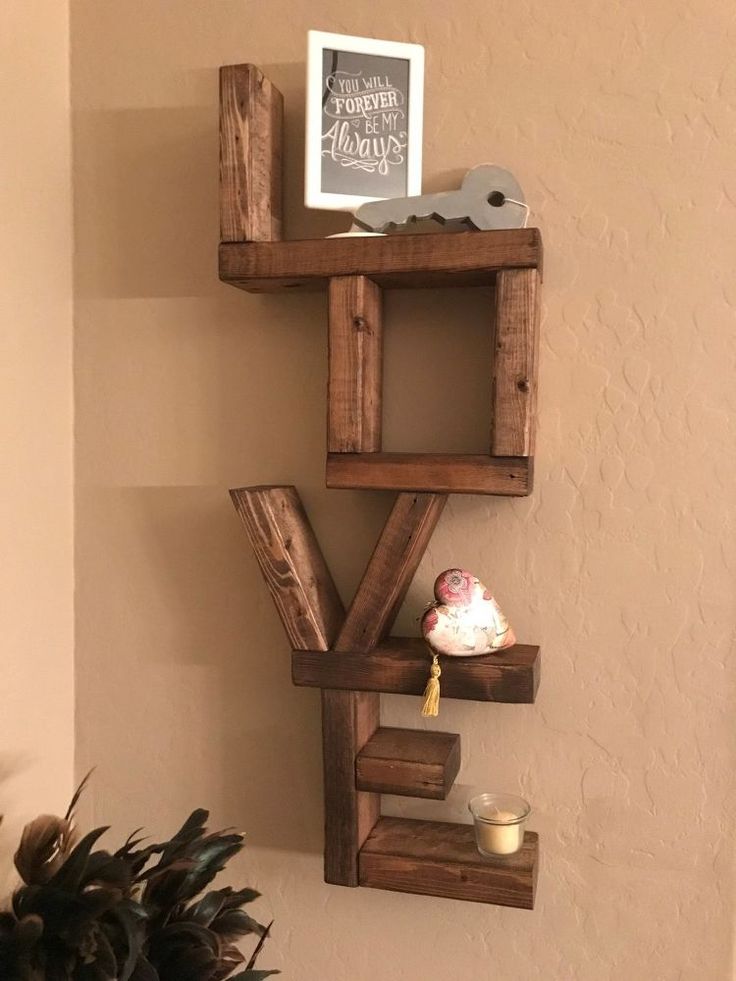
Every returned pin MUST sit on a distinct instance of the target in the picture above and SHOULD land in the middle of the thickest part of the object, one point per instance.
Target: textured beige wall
(619, 121)
(36, 588)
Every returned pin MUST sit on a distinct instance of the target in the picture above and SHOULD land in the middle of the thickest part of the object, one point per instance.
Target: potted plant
(141, 913)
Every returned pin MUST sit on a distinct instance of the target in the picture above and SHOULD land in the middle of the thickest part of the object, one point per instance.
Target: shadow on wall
(11, 765)
(195, 698)
(146, 202)
(146, 194)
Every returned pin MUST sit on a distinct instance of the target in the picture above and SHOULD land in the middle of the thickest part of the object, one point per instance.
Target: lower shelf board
(434, 858)
(440, 473)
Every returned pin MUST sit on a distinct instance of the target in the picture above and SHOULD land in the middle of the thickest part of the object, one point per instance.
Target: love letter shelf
(349, 654)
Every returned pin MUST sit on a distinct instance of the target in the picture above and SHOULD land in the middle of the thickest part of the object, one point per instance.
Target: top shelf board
(393, 261)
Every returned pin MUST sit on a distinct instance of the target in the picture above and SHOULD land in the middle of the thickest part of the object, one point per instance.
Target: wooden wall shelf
(349, 654)
(393, 262)
(442, 473)
(398, 666)
(434, 858)
(409, 762)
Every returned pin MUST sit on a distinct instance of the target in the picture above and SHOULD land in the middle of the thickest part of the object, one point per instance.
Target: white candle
(499, 839)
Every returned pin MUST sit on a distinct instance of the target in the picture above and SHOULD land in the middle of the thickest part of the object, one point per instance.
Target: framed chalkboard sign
(364, 120)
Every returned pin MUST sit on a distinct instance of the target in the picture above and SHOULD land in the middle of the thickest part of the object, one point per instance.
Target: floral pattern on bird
(465, 619)
(454, 586)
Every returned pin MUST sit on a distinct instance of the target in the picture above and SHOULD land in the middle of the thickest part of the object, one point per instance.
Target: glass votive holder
(499, 821)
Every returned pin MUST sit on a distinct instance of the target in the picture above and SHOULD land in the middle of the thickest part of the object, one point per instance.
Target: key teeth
(483, 181)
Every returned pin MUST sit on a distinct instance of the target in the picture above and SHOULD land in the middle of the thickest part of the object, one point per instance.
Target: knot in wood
(361, 324)
(523, 384)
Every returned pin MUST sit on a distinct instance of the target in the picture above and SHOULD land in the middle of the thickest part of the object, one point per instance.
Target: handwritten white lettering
(371, 154)
(369, 129)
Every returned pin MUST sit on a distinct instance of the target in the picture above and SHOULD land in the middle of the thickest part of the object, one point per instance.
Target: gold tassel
(432, 691)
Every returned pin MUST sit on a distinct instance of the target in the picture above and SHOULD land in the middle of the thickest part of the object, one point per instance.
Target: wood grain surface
(400, 666)
(435, 858)
(292, 564)
(514, 371)
(354, 391)
(392, 261)
(409, 762)
(390, 571)
(441, 473)
(251, 124)
(349, 719)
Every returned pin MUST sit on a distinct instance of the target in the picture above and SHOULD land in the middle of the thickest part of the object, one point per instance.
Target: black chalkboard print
(365, 116)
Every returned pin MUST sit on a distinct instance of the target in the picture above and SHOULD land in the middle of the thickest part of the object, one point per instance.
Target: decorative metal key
(489, 197)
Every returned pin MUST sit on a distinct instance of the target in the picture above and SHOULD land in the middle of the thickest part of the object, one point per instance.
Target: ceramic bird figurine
(465, 619)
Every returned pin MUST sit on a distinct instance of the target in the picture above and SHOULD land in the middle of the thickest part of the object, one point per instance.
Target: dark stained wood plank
(410, 762)
(400, 666)
(355, 366)
(292, 564)
(392, 261)
(516, 342)
(349, 719)
(441, 473)
(311, 611)
(351, 813)
(433, 858)
(390, 571)
(251, 125)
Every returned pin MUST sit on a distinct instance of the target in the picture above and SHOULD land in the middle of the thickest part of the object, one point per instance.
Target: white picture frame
(358, 125)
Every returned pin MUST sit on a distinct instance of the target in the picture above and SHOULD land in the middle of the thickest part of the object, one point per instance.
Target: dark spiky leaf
(96, 955)
(259, 946)
(235, 923)
(110, 871)
(29, 930)
(23, 901)
(141, 913)
(43, 847)
(160, 870)
(211, 860)
(230, 958)
(184, 934)
(162, 893)
(184, 963)
(240, 897)
(193, 825)
(69, 816)
(71, 873)
(144, 971)
(207, 908)
(253, 975)
(192, 829)
(7, 924)
(131, 919)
